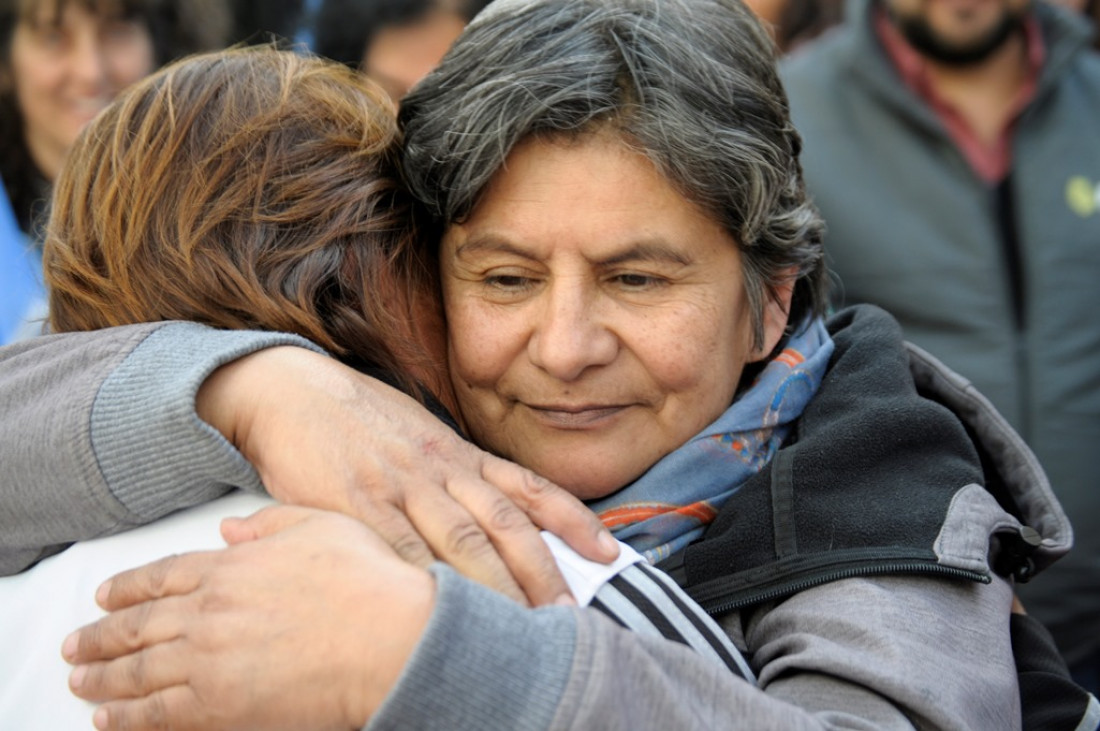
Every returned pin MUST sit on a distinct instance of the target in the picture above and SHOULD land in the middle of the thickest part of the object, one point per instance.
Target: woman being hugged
(61, 63)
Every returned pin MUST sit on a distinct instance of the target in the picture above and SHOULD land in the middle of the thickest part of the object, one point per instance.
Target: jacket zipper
(716, 606)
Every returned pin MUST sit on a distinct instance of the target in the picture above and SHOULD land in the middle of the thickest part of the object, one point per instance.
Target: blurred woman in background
(61, 62)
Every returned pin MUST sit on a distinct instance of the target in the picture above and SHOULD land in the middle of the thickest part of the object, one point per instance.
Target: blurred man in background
(952, 147)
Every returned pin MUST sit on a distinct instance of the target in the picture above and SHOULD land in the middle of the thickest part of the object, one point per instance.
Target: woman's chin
(591, 483)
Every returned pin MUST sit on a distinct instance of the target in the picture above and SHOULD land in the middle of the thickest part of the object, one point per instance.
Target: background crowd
(952, 148)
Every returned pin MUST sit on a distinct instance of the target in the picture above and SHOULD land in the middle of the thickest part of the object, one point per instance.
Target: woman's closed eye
(51, 37)
(122, 30)
(508, 282)
(637, 282)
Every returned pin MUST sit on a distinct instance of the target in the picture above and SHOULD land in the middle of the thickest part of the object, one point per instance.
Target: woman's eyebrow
(490, 243)
(656, 250)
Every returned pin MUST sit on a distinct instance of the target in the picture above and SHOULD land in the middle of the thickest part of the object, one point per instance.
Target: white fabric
(585, 577)
(40, 607)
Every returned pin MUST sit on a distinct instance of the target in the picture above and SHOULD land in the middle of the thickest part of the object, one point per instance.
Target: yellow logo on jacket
(1083, 196)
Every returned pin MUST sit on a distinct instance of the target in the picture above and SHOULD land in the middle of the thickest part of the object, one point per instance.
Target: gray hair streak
(691, 84)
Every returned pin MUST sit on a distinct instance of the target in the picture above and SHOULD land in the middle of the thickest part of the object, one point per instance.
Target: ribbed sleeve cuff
(154, 452)
(484, 662)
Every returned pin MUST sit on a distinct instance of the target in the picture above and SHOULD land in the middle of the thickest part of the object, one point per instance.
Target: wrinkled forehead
(44, 13)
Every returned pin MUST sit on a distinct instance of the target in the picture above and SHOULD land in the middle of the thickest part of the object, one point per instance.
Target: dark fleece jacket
(862, 485)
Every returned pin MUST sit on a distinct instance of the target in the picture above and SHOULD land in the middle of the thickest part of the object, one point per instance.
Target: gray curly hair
(691, 84)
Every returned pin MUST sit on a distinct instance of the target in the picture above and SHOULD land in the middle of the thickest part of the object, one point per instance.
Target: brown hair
(247, 189)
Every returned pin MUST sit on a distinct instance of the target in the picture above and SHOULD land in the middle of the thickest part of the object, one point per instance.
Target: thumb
(263, 523)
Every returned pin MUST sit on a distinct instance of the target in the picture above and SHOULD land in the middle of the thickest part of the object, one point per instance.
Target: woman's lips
(575, 417)
(85, 109)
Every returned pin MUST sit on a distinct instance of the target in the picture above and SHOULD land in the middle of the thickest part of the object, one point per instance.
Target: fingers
(153, 712)
(263, 523)
(512, 534)
(457, 538)
(169, 576)
(553, 509)
(129, 676)
(123, 632)
(390, 523)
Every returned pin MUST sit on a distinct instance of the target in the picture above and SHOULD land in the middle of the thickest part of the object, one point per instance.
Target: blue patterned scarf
(672, 503)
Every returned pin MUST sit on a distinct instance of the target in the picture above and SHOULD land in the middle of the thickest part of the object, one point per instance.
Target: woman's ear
(777, 309)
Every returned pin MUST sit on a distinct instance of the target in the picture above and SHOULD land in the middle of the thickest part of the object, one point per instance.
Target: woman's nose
(572, 334)
(87, 60)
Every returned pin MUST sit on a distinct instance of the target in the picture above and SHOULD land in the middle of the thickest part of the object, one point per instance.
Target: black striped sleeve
(644, 600)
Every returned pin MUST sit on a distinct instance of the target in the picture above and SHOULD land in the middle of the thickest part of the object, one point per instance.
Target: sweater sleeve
(99, 432)
(487, 663)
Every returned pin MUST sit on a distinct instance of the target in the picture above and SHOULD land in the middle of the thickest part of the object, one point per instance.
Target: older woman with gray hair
(634, 288)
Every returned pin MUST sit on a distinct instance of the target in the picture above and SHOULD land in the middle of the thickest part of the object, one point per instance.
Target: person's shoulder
(1067, 38)
(1088, 65)
(817, 75)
